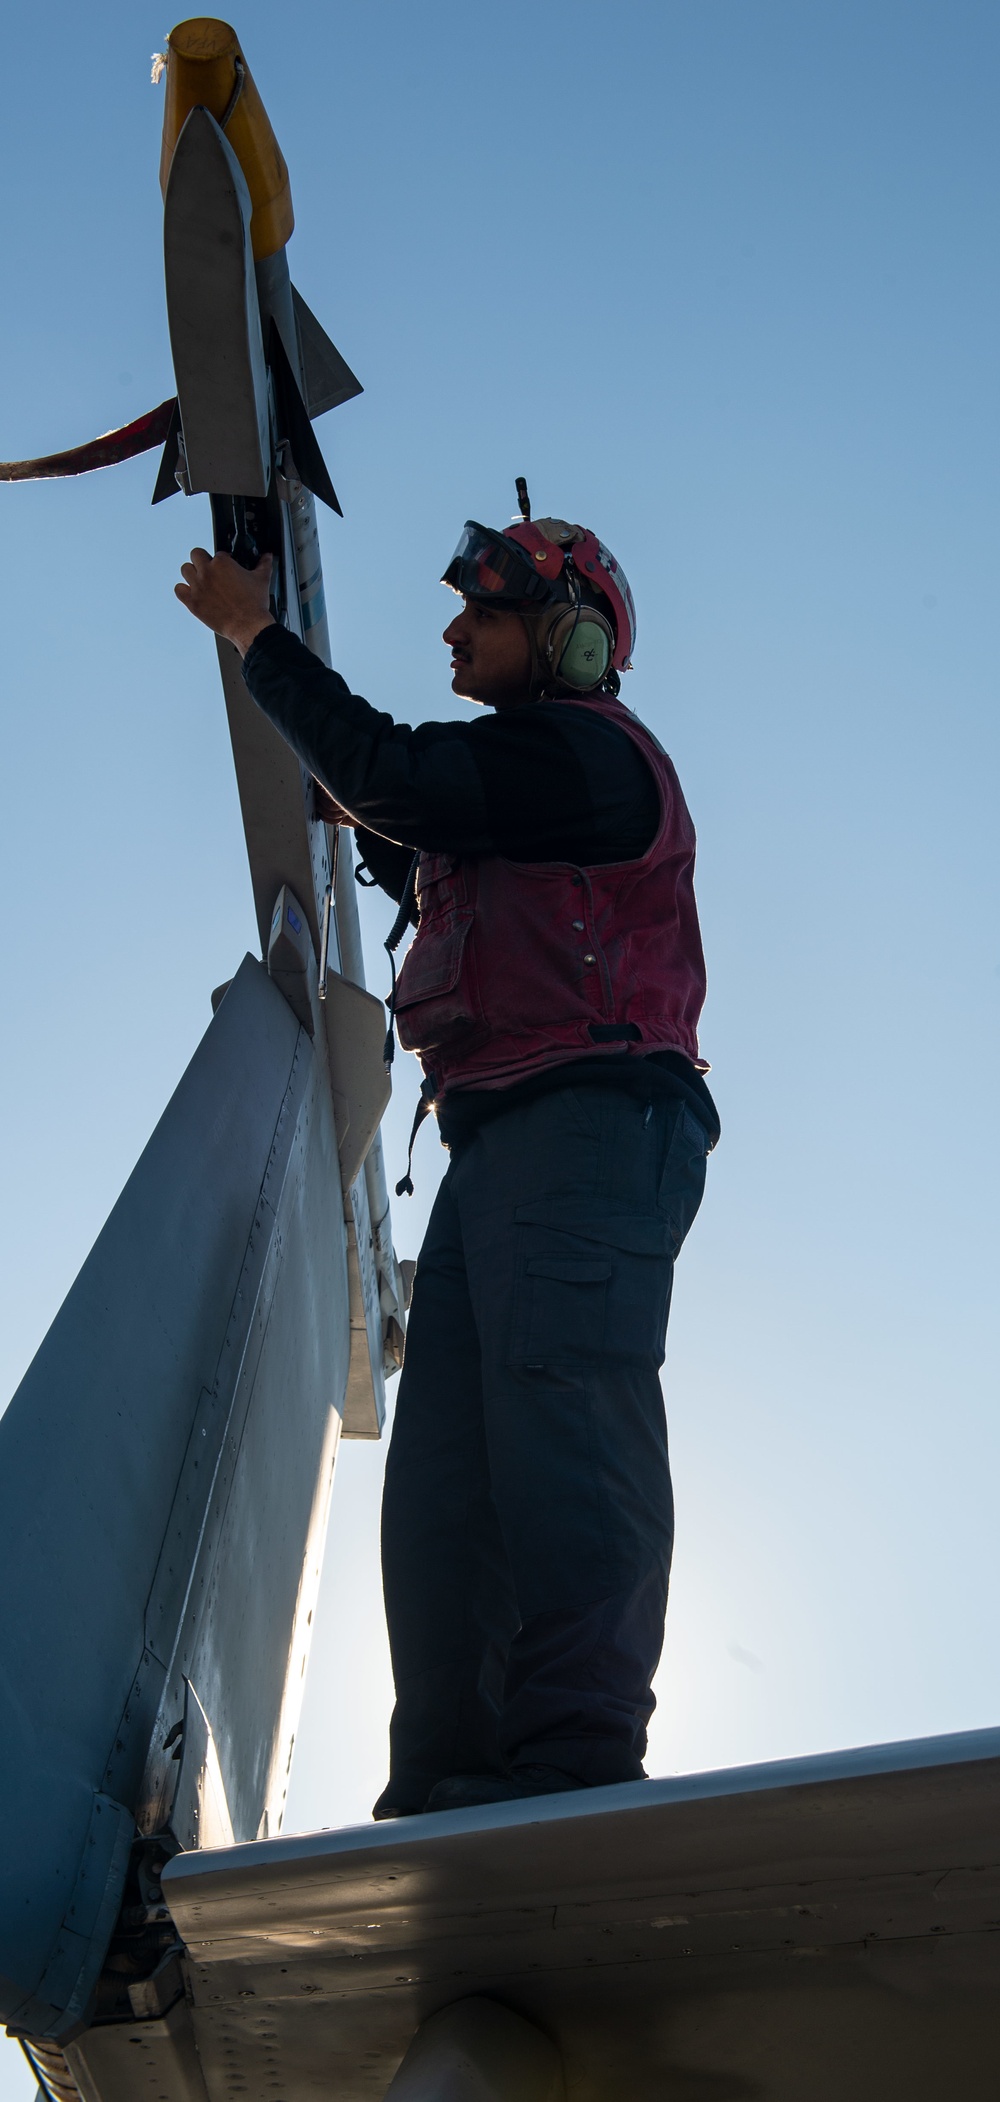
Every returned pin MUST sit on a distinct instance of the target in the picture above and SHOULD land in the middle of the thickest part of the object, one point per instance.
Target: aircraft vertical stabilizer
(165, 1468)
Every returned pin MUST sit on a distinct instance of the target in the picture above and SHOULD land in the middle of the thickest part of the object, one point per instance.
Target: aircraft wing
(817, 1928)
(821, 1930)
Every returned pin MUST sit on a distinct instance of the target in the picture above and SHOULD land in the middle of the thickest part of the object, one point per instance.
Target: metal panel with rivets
(165, 1470)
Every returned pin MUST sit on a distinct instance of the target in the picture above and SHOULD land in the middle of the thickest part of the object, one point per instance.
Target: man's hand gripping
(232, 601)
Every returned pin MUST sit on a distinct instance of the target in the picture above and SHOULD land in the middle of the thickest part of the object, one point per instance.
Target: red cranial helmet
(545, 562)
(558, 550)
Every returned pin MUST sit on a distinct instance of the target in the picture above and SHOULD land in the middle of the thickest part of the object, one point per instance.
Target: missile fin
(326, 377)
(355, 1033)
(124, 444)
(214, 318)
(310, 465)
(166, 483)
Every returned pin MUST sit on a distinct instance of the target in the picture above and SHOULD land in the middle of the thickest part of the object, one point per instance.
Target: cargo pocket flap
(569, 1269)
(639, 1233)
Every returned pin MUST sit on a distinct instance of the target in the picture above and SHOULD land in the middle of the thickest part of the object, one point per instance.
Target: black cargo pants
(527, 1522)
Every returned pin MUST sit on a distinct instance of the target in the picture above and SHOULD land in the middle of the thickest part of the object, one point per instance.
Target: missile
(242, 1306)
(228, 220)
(253, 367)
(252, 363)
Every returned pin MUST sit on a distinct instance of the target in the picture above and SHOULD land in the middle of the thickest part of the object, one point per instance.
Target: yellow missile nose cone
(206, 69)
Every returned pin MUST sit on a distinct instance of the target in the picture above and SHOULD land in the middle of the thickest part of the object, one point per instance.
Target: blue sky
(721, 281)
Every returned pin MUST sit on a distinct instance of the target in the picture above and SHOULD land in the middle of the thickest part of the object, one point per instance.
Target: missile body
(237, 322)
(167, 1463)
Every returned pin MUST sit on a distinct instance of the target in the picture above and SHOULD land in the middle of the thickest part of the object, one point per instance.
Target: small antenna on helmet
(523, 499)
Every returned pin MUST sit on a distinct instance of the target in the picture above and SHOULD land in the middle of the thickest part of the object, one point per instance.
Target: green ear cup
(586, 656)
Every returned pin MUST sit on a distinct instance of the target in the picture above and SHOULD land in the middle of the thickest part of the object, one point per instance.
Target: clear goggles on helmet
(487, 566)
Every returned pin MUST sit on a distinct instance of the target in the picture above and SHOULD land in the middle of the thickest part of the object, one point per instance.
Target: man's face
(490, 655)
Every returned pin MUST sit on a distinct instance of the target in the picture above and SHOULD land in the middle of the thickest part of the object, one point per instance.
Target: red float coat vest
(518, 966)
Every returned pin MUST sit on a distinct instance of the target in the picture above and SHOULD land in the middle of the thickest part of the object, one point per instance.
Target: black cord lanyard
(391, 944)
(404, 1187)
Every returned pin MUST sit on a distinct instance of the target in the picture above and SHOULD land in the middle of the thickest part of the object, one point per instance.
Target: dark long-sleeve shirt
(546, 782)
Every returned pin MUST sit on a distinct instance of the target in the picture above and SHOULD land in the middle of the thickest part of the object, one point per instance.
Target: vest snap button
(589, 959)
(578, 926)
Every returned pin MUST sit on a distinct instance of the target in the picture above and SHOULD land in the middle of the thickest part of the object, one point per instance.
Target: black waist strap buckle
(614, 1032)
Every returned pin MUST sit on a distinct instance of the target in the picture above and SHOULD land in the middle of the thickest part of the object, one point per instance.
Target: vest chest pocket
(434, 995)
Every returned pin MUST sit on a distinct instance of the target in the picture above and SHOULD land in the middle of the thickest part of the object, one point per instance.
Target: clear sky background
(720, 278)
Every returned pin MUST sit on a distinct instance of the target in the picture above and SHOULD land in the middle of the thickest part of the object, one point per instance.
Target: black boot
(466, 1791)
(386, 1808)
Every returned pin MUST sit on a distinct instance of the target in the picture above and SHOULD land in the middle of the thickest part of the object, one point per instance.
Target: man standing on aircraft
(552, 993)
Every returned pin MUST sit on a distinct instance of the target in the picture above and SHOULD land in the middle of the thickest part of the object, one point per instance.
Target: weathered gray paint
(808, 1931)
(478, 2051)
(199, 1810)
(164, 1472)
(284, 842)
(159, 2063)
(210, 274)
(355, 1025)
